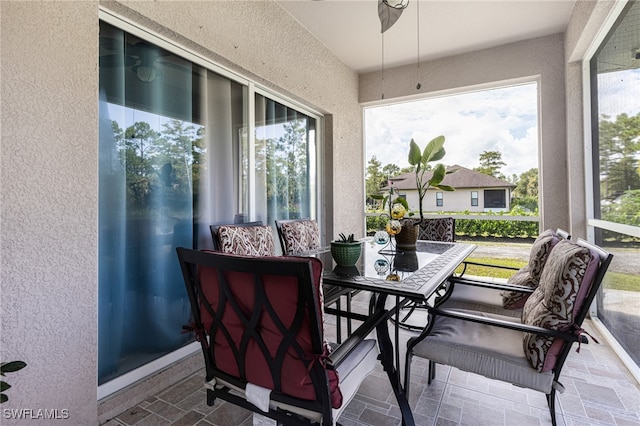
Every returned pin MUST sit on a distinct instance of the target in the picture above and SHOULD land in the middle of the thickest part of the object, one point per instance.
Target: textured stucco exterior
(49, 206)
(49, 155)
(541, 59)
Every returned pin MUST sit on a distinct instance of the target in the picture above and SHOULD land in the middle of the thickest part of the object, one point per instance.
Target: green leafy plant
(434, 151)
(8, 367)
(346, 239)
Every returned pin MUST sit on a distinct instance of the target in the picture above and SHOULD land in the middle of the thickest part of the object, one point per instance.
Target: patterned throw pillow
(247, 240)
(300, 236)
(438, 229)
(564, 284)
(529, 275)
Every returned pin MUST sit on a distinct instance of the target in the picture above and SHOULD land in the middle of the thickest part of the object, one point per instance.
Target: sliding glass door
(170, 137)
(285, 158)
(178, 153)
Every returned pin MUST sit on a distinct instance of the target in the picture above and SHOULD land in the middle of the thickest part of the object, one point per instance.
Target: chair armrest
(332, 293)
(488, 265)
(525, 328)
(487, 284)
(345, 348)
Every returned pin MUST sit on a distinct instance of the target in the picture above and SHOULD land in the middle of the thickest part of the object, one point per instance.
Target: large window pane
(616, 107)
(286, 177)
(615, 79)
(170, 138)
(492, 132)
(619, 296)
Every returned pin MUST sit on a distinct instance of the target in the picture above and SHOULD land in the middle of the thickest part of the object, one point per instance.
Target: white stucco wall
(49, 176)
(541, 58)
(453, 201)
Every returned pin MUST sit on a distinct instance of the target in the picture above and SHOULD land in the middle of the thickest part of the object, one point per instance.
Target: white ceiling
(351, 28)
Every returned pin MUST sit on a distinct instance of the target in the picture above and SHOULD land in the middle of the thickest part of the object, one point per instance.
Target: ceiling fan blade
(388, 15)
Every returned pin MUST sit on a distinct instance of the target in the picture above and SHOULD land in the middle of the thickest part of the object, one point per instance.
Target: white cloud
(502, 120)
(619, 92)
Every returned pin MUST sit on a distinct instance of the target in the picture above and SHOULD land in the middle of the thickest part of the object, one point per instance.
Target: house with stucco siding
(474, 192)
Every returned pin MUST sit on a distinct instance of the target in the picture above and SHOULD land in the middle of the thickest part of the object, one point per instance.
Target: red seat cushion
(282, 293)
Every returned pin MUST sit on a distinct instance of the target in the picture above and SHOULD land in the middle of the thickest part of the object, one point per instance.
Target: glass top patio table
(419, 274)
(383, 269)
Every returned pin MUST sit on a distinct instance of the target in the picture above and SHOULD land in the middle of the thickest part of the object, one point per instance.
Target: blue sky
(501, 119)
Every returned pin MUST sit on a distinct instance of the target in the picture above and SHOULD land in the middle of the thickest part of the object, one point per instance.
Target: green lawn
(485, 271)
(620, 281)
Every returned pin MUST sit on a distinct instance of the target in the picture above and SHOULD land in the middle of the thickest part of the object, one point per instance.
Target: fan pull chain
(382, 66)
(418, 86)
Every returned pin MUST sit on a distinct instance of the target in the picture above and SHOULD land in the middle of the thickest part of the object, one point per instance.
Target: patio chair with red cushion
(259, 321)
(298, 236)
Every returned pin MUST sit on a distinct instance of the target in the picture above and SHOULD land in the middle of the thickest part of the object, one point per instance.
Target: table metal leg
(338, 322)
(387, 361)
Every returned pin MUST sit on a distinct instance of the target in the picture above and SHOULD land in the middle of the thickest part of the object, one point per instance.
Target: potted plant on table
(346, 250)
(407, 235)
(434, 151)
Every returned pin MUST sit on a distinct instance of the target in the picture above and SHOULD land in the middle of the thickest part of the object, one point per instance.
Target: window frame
(591, 165)
(495, 191)
(474, 199)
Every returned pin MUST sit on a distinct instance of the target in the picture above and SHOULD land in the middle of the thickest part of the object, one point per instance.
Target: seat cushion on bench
(491, 351)
(481, 299)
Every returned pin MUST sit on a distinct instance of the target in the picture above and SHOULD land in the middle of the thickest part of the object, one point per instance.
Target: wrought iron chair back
(260, 324)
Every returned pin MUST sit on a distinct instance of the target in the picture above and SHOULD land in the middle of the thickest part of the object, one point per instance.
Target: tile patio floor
(599, 391)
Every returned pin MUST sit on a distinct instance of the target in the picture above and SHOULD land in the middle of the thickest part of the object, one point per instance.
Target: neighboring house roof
(462, 178)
